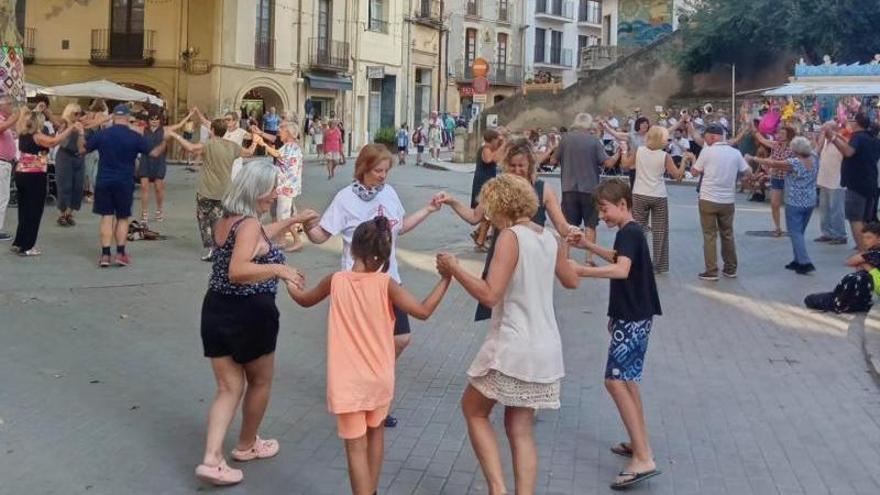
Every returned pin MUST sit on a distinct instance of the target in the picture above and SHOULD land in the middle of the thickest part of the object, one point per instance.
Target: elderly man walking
(719, 164)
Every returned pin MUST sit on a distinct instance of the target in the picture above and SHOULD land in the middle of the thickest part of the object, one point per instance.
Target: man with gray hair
(581, 155)
(8, 118)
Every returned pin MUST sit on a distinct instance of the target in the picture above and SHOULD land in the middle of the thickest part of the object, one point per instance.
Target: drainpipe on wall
(299, 64)
(406, 59)
(440, 57)
(355, 79)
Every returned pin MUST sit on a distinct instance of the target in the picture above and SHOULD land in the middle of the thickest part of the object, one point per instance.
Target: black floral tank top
(219, 281)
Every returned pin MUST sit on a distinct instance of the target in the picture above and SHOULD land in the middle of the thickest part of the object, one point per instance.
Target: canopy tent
(33, 90)
(826, 88)
(103, 88)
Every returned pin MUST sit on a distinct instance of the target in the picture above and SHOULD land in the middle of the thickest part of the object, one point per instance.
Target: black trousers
(31, 191)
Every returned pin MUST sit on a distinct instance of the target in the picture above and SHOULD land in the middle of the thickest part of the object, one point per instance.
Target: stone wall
(644, 79)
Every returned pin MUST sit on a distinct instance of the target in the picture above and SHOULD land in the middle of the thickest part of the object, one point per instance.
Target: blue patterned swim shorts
(626, 353)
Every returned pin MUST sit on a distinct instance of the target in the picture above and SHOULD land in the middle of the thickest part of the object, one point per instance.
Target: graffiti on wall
(642, 21)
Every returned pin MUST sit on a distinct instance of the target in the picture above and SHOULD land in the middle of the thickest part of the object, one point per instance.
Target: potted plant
(388, 137)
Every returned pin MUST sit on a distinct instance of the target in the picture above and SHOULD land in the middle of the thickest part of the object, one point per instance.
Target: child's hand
(292, 276)
(446, 263)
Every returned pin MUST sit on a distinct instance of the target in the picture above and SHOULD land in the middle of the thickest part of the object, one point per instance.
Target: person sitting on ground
(854, 292)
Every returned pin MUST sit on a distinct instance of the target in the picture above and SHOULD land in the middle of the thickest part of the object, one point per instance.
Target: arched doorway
(258, 100)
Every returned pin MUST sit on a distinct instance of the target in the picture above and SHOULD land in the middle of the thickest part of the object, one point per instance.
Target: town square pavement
(104, 390)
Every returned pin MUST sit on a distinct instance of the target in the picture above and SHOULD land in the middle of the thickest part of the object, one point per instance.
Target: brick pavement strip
(105, 390)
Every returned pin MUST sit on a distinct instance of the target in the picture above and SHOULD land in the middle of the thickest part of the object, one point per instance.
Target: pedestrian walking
(858, 173)
(34, 143)
(239, 319)
(418, 139)
(800, 197)
(8, 120)
(719, 164)
(360, 345)
(215, 175)
(831, 194)
(650, 204)
(633, 302)
(332, 148)
(581, 155)
(368, 197)
(70, 168)
(519, 365)
(435, 135)
(402, 144)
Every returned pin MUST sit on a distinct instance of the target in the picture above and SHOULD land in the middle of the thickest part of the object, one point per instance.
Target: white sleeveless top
(650, 167)
(523, 340)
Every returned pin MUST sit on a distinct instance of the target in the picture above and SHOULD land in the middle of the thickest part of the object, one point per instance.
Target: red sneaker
(104, 261)
(123, 260)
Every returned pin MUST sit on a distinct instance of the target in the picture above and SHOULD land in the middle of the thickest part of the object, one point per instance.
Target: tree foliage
(741, 31)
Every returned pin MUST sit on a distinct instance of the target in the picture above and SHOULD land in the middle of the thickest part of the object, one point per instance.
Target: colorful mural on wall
(640, 22)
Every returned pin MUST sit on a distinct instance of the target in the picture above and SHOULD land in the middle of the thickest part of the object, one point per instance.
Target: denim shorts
(626, 352)
(777, 184)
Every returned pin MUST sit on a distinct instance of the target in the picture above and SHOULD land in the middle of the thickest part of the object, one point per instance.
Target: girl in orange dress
(360, 345)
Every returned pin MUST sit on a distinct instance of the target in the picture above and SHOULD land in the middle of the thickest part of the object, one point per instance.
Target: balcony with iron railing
(555, 56)
(264, 52)
(499, 74)
(29, 52)
(556, 10)
(503, 12)
(328, 54)
(377, 25)
(600, 56)
(428, 13)
(122, 49)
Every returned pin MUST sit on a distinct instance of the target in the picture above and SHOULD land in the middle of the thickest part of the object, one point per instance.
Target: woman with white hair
(239, 324)
(289, 159)
(800, 198)
(70, 167)
(650, 202)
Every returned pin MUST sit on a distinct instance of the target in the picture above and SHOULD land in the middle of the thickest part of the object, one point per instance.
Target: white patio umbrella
(32, 90)
(103, 88)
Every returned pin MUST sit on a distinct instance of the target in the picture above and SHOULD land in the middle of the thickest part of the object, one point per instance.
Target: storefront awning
(816, 89)
(341, 83)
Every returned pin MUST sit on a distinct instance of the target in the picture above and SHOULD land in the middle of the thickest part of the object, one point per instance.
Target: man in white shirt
(719, 164)
(678, 146)
(831, 194)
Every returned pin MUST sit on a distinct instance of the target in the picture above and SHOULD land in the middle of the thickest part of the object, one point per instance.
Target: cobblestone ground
(104, 389)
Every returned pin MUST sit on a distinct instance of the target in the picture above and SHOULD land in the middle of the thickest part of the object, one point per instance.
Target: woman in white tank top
(651, 162)
(520, 362)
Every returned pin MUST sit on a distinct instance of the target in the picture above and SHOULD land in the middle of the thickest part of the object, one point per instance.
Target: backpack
(417, 136)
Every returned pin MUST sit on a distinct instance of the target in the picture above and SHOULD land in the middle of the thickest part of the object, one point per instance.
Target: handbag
(35, 164)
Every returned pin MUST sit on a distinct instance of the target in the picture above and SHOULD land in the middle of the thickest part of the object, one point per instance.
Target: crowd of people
(520, 365)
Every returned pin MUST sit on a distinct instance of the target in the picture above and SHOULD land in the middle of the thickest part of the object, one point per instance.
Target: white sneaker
(207, 255)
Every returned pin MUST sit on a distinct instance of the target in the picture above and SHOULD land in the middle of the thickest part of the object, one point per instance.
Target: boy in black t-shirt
(632, 304)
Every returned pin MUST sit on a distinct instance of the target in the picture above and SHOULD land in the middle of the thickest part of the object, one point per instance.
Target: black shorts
(114, 198)
(859, 207)
(242, 327)
(401, 322)
(401, 149)
(578, 208)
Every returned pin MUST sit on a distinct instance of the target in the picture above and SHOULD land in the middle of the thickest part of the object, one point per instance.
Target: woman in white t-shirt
(364, 199)
(651, 162)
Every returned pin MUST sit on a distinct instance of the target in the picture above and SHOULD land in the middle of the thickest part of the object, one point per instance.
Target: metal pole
(733, 101)
(440, 55)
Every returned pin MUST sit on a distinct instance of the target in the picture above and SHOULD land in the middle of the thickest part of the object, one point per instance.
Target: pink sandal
(261, 449)
(219, 475)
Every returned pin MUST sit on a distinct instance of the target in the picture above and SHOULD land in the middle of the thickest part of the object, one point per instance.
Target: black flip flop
(622, 450)
(635, 480)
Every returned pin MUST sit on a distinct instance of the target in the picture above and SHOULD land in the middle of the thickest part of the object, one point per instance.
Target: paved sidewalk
(105, 390)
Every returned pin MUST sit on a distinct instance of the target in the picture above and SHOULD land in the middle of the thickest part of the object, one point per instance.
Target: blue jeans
(796, 219)
(831, 212)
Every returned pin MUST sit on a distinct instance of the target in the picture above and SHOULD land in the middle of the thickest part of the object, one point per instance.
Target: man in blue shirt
(118, 147)
(271, 121)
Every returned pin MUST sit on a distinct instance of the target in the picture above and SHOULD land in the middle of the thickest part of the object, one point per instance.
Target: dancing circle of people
(520, 364)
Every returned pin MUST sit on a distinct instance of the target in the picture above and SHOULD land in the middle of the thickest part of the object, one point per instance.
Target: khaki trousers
(717, 218)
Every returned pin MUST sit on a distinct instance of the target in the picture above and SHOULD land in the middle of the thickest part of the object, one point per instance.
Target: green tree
(741, 31)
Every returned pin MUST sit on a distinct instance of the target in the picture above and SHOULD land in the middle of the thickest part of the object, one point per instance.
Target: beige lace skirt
(509, 391)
